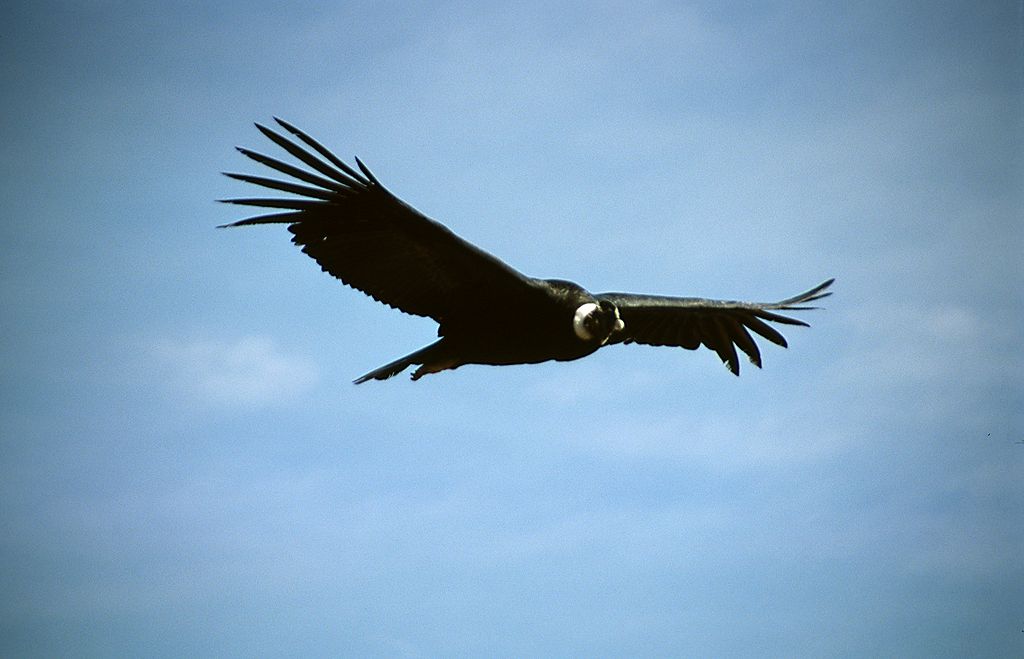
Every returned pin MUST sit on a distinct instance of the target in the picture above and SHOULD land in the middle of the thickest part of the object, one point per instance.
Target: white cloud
(250, 370)
(912, 345)
(781, 439)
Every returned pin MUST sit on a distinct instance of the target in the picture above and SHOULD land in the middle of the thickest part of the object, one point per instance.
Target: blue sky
(188, 470)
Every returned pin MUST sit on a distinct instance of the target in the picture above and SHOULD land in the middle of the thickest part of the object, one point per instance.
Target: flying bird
(487, 312)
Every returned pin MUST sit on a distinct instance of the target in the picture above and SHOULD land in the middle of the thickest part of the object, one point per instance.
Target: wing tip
(366, 172)
(817, 293)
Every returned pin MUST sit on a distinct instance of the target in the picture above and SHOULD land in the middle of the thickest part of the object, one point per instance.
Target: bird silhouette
(487, 312)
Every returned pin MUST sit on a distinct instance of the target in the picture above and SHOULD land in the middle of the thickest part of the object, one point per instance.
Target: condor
(487, 312)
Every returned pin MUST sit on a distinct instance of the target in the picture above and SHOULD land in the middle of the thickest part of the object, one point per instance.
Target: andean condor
(488, 313)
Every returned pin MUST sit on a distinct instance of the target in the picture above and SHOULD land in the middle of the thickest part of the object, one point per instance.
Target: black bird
(488, 313)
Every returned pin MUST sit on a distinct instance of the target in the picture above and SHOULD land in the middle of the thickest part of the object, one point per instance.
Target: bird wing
(721, 325)
(370, 239)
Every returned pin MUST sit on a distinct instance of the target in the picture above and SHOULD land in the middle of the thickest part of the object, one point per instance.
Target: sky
(188, 470)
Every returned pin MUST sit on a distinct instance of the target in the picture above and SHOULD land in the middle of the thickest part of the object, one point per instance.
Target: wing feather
(319, 148)
(284, 186)
(768, 332)
(720, 325)
(739, 335)
(293, 171)
(370, 239)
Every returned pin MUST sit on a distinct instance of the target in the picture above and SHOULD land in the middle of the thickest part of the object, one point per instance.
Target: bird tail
(430, 358)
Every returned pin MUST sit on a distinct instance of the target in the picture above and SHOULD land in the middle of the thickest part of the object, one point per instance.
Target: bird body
(487, 312)
(539, 326)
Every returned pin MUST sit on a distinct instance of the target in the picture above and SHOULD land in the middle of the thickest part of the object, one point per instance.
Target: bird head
(596, 321)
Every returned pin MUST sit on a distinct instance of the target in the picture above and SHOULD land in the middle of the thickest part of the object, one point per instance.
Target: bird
(487, 311)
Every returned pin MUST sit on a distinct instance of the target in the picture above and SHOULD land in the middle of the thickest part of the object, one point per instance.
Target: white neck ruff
(579, 321)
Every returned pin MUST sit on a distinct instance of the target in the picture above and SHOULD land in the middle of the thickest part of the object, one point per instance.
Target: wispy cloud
(912, 345)
(249, 370)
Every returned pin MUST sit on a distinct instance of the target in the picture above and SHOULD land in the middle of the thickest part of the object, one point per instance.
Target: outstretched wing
(720, 325)
(370, 239)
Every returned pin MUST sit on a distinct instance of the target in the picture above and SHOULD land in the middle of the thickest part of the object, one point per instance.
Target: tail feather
(391, 369)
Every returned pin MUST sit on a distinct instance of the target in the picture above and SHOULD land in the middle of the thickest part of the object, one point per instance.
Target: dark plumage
(488, 313)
